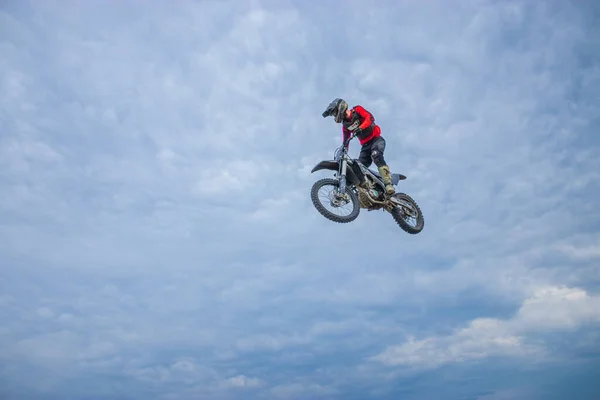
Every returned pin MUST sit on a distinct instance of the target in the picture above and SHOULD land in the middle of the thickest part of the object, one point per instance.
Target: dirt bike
(372, 196)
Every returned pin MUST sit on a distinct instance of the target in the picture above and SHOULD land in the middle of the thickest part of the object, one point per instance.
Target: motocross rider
(360, 121)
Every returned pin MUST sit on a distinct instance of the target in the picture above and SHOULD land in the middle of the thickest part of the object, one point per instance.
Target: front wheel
(406, 208)
(347, 201)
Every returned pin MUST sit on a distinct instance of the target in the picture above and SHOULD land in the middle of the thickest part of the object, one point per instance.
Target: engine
(363, 198)
(366, 197)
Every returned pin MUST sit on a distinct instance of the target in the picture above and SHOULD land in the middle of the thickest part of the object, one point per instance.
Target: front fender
(332, 165)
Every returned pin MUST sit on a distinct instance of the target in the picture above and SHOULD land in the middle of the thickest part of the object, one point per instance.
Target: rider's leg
(365, 159)
(365, 155)
(377, 150)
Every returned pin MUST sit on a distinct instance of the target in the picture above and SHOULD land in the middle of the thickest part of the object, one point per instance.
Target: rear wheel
(407, 210)
(346, 202)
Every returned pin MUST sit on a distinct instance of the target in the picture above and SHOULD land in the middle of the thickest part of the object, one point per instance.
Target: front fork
(342, 172)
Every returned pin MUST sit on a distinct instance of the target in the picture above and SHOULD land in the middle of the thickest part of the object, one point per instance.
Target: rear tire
(328, 214)
(399, 214)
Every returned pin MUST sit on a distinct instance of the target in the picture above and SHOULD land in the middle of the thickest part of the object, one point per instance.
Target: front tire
(410, 208)
(353, 201)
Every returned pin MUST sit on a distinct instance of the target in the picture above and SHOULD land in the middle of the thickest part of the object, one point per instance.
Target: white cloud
(557, 308)
(242, 381)
(548, 309)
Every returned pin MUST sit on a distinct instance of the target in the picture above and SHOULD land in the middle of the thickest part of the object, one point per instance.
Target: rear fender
(397, 178)
(331, 165)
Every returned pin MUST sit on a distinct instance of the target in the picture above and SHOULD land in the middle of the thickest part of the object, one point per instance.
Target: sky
(157, 238)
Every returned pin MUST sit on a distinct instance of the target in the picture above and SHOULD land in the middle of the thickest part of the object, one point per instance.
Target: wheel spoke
(342, 209)
(331, 197)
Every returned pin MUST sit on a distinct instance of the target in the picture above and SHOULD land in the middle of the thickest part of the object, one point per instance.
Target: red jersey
(363, 119)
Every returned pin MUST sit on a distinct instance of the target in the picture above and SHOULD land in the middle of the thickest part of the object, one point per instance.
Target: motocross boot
(387, 179)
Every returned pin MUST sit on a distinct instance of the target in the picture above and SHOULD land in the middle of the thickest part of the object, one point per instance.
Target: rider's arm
(345, 135)
(368, 118)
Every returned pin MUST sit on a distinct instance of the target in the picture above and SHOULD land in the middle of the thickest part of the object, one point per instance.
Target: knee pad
(377, 157)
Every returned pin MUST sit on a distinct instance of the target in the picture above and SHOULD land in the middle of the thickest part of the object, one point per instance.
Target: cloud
(157, 238)
(241, 381)
(548, 309)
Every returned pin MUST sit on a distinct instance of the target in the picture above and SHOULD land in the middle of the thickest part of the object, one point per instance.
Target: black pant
(372, 151)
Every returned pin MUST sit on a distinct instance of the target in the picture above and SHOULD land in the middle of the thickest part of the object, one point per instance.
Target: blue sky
(157, 238)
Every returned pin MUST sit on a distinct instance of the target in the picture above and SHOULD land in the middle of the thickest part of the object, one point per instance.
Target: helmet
(337, 108)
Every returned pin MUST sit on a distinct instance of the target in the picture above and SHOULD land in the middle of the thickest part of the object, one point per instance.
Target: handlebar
(352, 136)
(338, 152)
